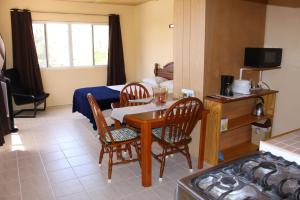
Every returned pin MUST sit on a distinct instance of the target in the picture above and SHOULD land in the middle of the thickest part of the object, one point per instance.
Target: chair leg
(188, 157)
(101, 155)
(137, 152)
(110, 163)
(34, 109)
(162, 164)
(129, 150)
(45, 105)
(119, 153)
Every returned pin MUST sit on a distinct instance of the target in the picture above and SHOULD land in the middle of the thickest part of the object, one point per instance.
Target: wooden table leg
(146, 164)
(202, 140)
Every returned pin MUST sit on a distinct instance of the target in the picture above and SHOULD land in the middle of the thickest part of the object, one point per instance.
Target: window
(71, 44)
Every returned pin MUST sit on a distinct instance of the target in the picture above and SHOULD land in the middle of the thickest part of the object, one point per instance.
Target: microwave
(263, 57)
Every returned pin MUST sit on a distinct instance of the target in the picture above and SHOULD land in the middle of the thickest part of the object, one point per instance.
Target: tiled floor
(55, 155)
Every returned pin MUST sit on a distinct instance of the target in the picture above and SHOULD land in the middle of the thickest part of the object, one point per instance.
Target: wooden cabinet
(236, 140)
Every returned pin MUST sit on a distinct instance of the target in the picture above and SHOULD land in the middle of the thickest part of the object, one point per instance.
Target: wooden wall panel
(186, 44)
(231, 26)
(178, 44)
(189, 36)
(197, 46)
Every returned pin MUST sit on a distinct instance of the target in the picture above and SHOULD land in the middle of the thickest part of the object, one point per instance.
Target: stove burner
(268, 165)
(230, 181)
(288, 187)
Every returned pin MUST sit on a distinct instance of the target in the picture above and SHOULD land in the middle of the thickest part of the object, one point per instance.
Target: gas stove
(258, 176)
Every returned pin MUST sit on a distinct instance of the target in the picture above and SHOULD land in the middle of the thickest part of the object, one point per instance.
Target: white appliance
(241, 86)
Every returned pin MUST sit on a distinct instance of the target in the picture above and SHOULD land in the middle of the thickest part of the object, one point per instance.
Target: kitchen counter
(286, 145)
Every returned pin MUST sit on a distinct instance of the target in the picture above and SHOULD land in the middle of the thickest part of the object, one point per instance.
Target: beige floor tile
(88, 169)
(105, 193)
(11, 197)
(70, 145)
(94, 181)
(77, 151)
(30, 171)
(143, 195)
(81, 160)
(57, 165)
(30, 161)
(9, 164)
(48, 148)
(9, 175)
(10, 188)
(67, 188)
(36, 188)
(76, 196)
(52, 156)
(29, 195)
(61, 175)
(27, 153)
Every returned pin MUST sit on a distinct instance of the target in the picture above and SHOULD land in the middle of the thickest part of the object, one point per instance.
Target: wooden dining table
(148, 120)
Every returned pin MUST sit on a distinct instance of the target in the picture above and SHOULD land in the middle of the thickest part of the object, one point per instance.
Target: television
(263, 57)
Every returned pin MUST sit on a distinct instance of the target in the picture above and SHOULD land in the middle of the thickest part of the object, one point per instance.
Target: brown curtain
(4, 127)
(24, 51)
(2, 54)
(116, 67)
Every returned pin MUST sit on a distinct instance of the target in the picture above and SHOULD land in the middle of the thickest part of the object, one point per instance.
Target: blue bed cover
(103, 95)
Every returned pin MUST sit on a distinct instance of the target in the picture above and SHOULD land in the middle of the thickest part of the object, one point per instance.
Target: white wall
(154, 38)
(283, 30)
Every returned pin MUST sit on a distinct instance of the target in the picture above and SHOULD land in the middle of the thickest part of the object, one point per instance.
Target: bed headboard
(165, 72)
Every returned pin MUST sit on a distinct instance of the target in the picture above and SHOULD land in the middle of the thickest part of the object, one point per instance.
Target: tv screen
(263, 57)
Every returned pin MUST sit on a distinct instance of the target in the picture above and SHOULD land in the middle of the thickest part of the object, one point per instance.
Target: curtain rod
(65, 13)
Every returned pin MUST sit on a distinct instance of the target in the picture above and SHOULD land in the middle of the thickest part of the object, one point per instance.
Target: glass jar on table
(160, 95)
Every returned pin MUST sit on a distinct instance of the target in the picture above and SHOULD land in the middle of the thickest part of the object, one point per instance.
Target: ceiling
(120, 2)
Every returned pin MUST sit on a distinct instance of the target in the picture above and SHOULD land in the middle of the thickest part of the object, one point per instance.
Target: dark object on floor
(4, 124)
(257, 176)
(22, 97)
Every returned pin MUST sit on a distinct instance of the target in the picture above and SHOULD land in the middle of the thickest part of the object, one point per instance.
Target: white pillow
(149, 87)
(154, 80)
(168, 84)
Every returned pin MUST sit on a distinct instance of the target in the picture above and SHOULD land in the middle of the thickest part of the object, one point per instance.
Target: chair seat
(41, 97)
(121, 135)
(157, 132)
(21, 100)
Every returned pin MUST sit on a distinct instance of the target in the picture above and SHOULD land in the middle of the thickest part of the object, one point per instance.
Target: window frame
(70, 43)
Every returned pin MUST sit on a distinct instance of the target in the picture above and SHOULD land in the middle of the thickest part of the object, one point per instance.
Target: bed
(105, 95)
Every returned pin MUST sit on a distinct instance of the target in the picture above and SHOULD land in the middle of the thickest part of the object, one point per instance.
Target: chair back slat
(133, 91)
(102, 127)
(181, 118)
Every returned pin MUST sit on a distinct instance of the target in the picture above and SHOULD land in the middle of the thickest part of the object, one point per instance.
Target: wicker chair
(175, 135)
(113, 140)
